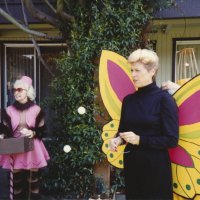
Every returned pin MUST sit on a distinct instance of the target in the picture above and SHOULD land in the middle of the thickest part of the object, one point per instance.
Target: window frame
(180, 41)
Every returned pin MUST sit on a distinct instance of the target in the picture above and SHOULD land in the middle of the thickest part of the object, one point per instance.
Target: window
(18, 61)
(21, 59)
(186, 59)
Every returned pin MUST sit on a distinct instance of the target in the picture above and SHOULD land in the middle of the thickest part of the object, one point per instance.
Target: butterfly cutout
(115, 83)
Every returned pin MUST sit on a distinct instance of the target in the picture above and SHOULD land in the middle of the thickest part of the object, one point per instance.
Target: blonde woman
(149, 126)
(25, 119)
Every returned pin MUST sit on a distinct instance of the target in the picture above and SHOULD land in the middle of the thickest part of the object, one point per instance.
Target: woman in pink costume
(25, 119)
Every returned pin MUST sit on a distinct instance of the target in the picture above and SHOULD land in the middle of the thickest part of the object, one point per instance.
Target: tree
(59, 15)
(61, 12)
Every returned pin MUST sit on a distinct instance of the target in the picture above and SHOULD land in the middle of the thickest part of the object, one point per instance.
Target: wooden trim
(31, 26)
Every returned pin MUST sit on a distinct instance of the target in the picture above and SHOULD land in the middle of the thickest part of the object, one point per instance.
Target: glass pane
(187, 60)
(19, 61)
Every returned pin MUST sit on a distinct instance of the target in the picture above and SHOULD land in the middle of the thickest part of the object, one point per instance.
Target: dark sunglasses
(17, 90)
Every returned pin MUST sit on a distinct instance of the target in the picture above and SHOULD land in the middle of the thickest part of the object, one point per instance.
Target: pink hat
(26, 80)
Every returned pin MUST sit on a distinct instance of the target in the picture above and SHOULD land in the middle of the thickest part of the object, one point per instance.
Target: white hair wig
(148, 57)
(30, 90)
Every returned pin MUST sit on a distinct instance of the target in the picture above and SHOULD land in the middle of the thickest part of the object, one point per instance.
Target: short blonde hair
(147, 57)
(30, 90)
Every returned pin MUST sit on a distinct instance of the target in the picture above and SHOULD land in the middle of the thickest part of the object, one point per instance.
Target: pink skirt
(29, 160)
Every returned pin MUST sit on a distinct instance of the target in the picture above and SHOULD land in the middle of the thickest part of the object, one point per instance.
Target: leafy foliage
(109, 24)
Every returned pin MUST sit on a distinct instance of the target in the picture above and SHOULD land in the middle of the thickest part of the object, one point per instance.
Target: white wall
(164, 47)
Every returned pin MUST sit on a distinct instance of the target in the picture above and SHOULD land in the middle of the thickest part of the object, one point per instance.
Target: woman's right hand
(170, 86)
(28, 133)
(114, 143)
(1, 136)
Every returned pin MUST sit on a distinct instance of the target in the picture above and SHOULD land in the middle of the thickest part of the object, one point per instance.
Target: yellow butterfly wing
(114, 157)
(115, 83)
(186, 157)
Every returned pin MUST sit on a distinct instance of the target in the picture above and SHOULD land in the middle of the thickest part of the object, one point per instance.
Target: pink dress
(37, 158)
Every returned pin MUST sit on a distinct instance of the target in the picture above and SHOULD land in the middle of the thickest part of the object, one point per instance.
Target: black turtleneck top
(152, 114)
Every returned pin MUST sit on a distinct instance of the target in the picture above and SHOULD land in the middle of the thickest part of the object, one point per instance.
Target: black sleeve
(40, 130)
(5, 125)
(169, 127)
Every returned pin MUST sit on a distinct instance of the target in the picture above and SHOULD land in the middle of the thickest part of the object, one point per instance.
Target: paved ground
(4, 186)
(4, 189)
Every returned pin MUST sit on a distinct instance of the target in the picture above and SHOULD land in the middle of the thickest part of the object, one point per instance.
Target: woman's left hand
(28, 133)
(130, 137)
